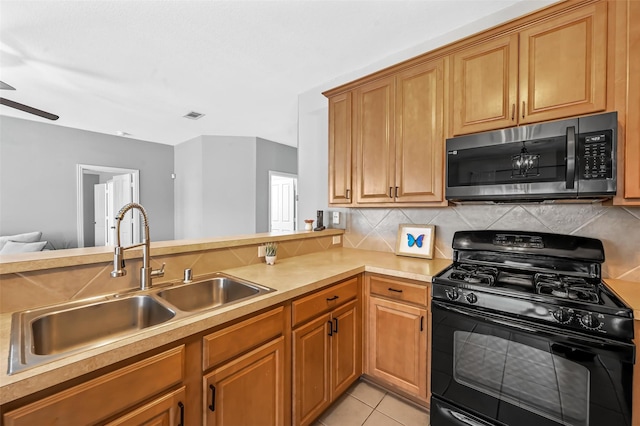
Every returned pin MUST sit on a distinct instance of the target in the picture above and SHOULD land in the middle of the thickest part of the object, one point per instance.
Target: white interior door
(120, 193)
(282, 194)
(100, 221)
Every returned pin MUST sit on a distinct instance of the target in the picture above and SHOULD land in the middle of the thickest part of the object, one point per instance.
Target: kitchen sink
(211, 293)
(70, 329)
(46, 334)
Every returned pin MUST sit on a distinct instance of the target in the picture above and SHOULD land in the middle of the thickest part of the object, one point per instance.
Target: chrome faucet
(146, 272)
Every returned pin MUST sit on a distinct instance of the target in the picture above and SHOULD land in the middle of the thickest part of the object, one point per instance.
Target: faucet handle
(158, 272)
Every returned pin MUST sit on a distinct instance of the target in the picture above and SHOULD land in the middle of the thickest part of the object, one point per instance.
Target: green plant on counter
(271, 249)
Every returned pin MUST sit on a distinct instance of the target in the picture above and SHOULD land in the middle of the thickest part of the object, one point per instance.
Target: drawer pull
(331, 299)
(330, 328)
(212, 407)
(181, 405)
(335, 322)
(395, 290)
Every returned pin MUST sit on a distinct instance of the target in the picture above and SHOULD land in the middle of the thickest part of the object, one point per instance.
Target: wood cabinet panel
(632, 136)
(323, 301)
(239, 338)
(248, 390)
(374, 137)
(311, 361)
(346, 347)
(485, 86)
(394, 289)
(86, 403)
(394, 325)
(340, 149)
(563, 65)
(419, 138)
(168, 410)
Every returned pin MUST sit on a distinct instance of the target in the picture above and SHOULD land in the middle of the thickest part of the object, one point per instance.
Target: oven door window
(527, 377)
(520, 373)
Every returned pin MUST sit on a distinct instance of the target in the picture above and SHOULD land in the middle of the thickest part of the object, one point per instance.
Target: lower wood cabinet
(248, 390)
(244, 373)
(327, 349)
(397, 335)
(115, 395)
(167, 410)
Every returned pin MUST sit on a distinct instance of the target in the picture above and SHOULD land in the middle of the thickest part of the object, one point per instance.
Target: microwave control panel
(595, 155)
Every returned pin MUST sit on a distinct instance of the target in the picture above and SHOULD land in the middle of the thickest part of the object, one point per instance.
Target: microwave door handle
(571, 157)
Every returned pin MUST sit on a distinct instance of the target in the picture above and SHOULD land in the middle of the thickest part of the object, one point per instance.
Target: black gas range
(525, 332)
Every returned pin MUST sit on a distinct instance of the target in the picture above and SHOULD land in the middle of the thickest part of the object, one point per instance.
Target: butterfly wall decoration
(415, 240)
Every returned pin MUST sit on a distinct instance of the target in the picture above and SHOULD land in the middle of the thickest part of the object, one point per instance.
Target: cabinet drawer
(399, 290)
(324, 300)
(105, 396)
(236, 339)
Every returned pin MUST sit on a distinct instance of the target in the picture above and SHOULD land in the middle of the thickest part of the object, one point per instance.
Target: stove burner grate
(565, 287)
(474, 274)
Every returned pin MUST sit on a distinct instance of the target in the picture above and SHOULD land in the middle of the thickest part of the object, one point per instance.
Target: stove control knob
(471, 298)
(452, 294)
(562, 316)
(589, 321)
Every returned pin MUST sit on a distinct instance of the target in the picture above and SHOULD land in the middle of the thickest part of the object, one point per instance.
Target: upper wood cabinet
(398, 131)
(632, 137)
(553, 69)
(485, 86)
(340, 149)
(375, 145)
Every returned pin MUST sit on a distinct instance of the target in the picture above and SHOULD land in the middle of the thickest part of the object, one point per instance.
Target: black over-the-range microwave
(560, 160)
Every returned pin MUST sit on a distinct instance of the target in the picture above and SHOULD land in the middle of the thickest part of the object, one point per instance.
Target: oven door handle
(538, 329)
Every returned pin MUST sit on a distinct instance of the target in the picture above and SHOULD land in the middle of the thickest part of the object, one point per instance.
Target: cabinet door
(340, 149)
(632, 141)
(311, 352)
(563, 65)
(397, 346)
(485, 86)
(346, 348)
(375, 149)
(168, 410)
(248, 390)
(419, 135)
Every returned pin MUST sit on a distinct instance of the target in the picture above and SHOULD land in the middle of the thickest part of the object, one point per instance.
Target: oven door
(507, 371)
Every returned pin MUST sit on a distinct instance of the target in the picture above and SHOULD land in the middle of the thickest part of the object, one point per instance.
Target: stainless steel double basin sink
(43, 335)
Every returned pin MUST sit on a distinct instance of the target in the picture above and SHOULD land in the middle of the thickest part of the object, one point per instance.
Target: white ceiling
(139, 66)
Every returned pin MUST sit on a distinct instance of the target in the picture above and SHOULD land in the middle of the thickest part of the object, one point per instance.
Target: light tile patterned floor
(368, 405)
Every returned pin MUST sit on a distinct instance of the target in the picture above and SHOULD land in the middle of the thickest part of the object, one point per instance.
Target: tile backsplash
(26, 290)
(617, 227)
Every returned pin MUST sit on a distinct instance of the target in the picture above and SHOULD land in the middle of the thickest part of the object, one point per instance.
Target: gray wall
(222, 184)
(229, 196)
(188, 189)
(215, 187)
(271, 156)
(38, 177)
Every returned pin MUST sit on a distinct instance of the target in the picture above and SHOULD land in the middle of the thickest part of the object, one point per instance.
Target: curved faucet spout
(146, 272)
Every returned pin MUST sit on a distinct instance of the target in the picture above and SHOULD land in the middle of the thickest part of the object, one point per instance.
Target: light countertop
(291, 277)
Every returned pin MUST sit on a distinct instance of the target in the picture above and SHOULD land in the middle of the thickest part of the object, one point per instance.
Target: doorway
(283, 201)
(102, 192)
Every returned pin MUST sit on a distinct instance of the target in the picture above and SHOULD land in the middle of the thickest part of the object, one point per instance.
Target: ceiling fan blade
(5, 86)
(28, 109)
